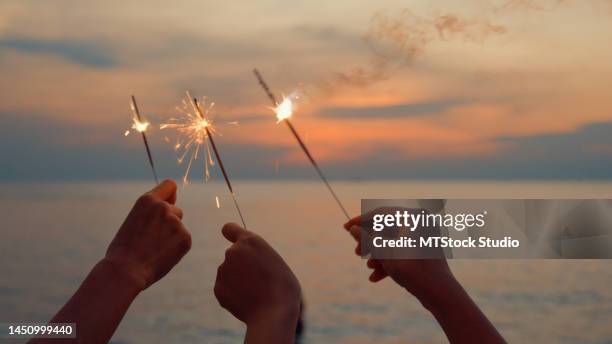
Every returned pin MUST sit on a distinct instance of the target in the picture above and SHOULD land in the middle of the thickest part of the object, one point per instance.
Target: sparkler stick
(283, 112)
(198, 109)
(141, 126)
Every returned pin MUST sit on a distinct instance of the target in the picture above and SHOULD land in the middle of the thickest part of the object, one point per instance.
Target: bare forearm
(458, 315)
(98, 305)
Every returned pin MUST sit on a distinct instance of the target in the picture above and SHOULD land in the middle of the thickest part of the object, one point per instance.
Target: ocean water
(52, 234)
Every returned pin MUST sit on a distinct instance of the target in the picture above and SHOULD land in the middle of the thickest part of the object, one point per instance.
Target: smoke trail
(397, 41)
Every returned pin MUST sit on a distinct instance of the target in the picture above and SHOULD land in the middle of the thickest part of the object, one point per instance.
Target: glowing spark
(137, 125)
(217, 200)
(197, 107)
(192, 130)
(140, 125)
(284, 110)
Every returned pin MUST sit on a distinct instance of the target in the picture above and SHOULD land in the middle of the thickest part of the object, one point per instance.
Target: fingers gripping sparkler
(284, 110)
(141, 126)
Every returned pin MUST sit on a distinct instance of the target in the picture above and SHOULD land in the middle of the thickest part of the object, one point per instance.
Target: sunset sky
(392, 89)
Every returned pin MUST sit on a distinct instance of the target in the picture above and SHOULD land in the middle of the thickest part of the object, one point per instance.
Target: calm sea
(52, 234)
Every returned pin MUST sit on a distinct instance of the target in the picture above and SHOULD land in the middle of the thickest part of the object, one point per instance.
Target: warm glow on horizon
(455, 81)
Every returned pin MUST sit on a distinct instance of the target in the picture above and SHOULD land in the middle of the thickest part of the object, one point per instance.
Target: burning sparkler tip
(284, 110)
(193, 127)
(140, 125)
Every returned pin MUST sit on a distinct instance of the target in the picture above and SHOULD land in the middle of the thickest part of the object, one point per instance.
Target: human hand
(254, 283)
(152, 239)
(421, 277)
(432, 282)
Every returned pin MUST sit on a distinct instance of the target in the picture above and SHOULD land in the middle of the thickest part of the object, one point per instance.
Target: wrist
(123, 275)
(275, 325)
(438, 294)
(284, 315)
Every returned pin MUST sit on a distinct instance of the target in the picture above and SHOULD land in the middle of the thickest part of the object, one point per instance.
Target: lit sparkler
(141, 126)
(283, 111)
(193, 128)
(218, 156)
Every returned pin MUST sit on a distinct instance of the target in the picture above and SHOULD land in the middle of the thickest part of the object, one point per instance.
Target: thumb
(165, 191)
(234, 232)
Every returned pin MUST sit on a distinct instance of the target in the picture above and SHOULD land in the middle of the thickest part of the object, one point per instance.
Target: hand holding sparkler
(150, 242)
(256, 285)
(283, 111)
(152, 239)
(432, 282)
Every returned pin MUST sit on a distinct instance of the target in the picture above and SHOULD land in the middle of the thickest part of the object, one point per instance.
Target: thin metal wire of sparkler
(196, 107)
(144, 139)
(272, 98)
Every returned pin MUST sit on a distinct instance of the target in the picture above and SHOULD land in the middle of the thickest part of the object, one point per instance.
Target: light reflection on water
(53, 233)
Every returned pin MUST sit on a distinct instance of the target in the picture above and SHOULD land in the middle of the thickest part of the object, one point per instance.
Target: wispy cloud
(588, 141)
(86, 53)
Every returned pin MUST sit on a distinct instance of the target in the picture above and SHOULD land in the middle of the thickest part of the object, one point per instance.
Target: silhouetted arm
(432, 282)
(458, 315)
(98, 305)
(147, 246)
